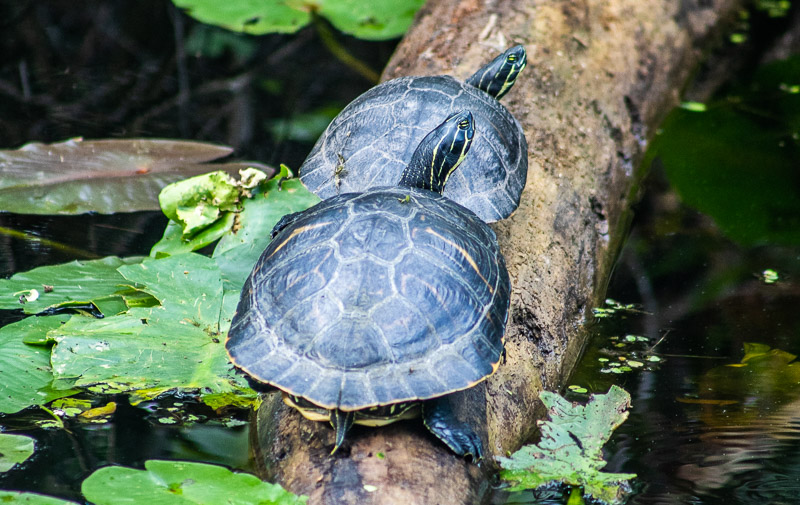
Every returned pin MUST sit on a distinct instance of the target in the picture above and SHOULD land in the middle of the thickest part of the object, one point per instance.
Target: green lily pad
(179, 482)
(18, 497)
(104, 176)
(174, 345)
(571, 447)
(25, 374)
(14, 449)
(78, 283)
(375, 20)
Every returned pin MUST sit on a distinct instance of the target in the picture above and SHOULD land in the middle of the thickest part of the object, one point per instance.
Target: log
(601, 76)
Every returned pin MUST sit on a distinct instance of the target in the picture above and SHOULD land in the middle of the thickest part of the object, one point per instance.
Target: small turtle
(369, 307)
(372, 140)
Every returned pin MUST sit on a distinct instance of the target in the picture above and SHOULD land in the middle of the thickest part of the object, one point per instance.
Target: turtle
(370, 142)
(371, 307)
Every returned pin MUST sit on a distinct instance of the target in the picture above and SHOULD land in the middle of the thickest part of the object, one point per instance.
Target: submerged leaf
(765, 380)
(104, 176)
(180, 482)
(570, 449)
(14, 449)
(737, 160)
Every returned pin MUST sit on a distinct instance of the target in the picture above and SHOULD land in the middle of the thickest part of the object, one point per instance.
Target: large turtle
(369, 306)
(372, 140)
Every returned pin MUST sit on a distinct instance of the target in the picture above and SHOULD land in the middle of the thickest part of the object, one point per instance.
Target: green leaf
(187, 285)
(104, 176)
(25, 374)
(570, 449)
(14, 449)
(174, 345)
(375, 20)
(177, 482)
(78, 282)
(197, 202)
(18, 497)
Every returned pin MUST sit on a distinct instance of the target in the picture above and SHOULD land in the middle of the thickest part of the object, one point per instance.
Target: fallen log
(600, 78)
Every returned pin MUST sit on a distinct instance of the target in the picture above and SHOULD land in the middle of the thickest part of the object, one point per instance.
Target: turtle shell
(371, 141)
(388, 296)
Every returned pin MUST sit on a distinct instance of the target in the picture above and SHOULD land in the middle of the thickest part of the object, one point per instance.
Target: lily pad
(174, 345)
(202, 209)
(25, 374)
(18, 497)
(104, 176)
(182, 483)
(375, 20)
(14, 449)
(571, 447)
(243, 235)
(78, 283)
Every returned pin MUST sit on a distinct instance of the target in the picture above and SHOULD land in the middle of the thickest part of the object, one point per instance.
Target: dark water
(703, 428)
(700, 431)
(170, 428)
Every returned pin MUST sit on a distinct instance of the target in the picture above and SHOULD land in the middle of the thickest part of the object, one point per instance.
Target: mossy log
(601, 75)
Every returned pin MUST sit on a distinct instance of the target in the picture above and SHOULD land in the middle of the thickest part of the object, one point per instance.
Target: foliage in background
(571, 447)
(105, 176)
(374, 20)
(736, 159)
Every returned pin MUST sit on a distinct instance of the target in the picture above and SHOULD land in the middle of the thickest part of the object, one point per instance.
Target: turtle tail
(341, 422)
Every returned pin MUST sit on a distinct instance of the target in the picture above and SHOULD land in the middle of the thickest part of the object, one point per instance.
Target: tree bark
(601, 76)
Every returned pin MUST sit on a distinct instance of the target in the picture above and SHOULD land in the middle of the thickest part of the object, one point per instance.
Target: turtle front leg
(439, 418)
(341, 422)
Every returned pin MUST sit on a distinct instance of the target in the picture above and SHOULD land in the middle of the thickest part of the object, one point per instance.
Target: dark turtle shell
(371, 141)
(376, 298)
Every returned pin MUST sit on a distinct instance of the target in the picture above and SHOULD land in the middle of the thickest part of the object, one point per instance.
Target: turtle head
(439, 153)
(497, 77)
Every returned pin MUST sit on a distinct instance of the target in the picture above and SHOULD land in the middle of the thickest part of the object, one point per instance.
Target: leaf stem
(328, 39)
(21, 235)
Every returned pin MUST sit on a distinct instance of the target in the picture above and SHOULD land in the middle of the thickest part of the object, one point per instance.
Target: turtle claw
(439, 418)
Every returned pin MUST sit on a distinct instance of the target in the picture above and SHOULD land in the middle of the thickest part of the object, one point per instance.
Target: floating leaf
(31, 499)
(14, 449)
(375, 20)
(175, 344)
(571, 448)
(70, 407)
(104, 176)
(178, 482)
(25, 374)
(77, 283)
